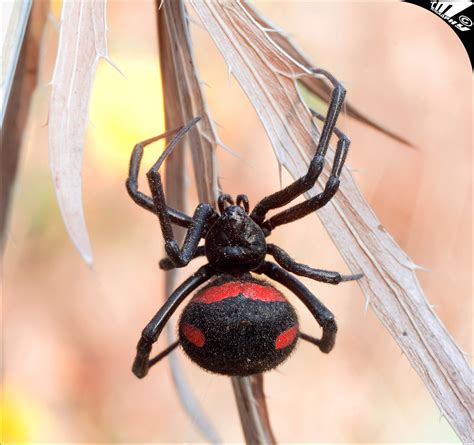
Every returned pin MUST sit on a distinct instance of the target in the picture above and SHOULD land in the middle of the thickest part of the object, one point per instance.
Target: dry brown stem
(184, 99)
(16, 113)
(253, 411)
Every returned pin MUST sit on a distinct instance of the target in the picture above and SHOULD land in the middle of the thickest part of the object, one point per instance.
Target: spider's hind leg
(153, 329)
(163, 354)
(321, 313)
(310, 339)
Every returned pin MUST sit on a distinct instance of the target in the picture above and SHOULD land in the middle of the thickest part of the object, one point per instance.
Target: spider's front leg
(139, 197)
(323, 315)
(196, 225)
(307, 181)
(167, 264)
(332, 186)
(153, 329)
(202, 215)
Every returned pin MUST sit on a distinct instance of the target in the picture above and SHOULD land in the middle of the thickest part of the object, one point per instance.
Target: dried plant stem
(16, 113)
(253, 411)
(315, 85)
(390, 285)
(173, 74)
(184, 100)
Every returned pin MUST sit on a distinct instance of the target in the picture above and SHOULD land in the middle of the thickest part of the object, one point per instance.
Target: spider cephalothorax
(238, 324)
(235, 243)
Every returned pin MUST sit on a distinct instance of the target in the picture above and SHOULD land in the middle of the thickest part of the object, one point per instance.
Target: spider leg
(310, 339)
(299, 211)
(167, 264)
(153, 329)
(180, 257)
(139, 197)
(323, 316)
(307, 181)
(288, 263)
(163, 354)
(320, 117)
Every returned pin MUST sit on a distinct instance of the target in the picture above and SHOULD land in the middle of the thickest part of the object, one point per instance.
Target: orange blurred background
(70, 331)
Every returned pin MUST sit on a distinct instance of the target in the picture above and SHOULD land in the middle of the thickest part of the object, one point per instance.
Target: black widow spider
(238, 324)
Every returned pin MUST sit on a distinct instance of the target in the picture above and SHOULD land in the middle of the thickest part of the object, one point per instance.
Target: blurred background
(70, 331)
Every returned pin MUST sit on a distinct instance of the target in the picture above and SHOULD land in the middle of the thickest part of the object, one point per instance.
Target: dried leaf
(82, 42)
(269, 77)
(319, 87)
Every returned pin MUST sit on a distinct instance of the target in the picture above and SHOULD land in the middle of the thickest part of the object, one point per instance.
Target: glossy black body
(235, 245)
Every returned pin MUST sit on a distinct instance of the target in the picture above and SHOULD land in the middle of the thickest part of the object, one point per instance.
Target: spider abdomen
(238, 327)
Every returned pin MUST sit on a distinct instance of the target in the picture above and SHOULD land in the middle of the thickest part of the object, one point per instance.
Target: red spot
(286, 338)
(193, 334)
(254, 291)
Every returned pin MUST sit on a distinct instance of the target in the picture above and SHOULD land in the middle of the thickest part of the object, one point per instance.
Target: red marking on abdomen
(193, 334)
(286, 338)
(254, 291)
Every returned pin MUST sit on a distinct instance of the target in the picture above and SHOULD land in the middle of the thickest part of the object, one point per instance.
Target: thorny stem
(253, 411)
(182, 89)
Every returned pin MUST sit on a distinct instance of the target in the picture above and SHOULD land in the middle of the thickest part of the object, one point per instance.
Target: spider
(239, 324)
